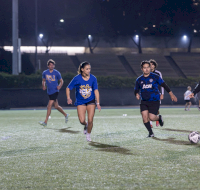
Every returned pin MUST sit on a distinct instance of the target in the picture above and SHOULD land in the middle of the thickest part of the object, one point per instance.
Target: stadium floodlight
(137, 36)
(185, 37)
(89, 36)
(41, 36)
(62, 20)
(195, 31)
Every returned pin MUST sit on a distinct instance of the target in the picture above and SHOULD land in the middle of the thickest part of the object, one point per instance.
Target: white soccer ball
(194, 137)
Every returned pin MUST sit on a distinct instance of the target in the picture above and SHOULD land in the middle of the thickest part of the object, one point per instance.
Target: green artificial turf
(120, 156)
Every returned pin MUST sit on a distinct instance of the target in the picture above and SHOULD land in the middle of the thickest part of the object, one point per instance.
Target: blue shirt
(84, 89)
(148, 87)
(51, 80)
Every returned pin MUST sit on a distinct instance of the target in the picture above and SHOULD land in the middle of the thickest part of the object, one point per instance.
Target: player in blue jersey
(146, 87)
(50, 78)
(87, 96)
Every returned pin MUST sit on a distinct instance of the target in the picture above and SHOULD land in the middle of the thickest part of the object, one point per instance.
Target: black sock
(148, 126)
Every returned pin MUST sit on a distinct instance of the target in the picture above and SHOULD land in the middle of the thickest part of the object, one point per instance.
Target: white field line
(110, 117)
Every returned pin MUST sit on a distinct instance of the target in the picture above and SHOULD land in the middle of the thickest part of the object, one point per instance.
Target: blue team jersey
(84, 89)
(51, 80)
(148, 87)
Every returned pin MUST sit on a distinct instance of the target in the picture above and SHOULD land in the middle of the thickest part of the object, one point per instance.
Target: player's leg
(90, 111)
(157, 122)
(153, 111)
(189, 104)
(81, 110)
(59, 108)
(145, 116)
(49, 106)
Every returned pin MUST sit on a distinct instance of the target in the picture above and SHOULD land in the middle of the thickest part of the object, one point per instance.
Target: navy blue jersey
(148, 87)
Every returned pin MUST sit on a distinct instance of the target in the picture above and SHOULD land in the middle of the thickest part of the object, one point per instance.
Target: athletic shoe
(185, 109)
(161, 122)
(150, 135)
(157, 124)
(66, 118)
(88, 137)
(199, 108)
(188, 110)
(85, 129)
(42, 123)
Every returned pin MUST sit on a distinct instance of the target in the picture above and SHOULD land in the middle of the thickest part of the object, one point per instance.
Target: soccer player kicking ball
(50, 77)
(147, 84)
(86, 93)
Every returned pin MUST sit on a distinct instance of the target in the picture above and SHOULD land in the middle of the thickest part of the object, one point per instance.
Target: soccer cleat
(42, 123)
(157, 124)
(85, 129)
(161, 122)
(150, 135)
(66, 118)
(185, 109)
(88, 137)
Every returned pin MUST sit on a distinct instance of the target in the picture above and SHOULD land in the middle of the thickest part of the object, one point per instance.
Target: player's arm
(137, 90)
(96, 92)
(195, 91)
(44, 84)
(69, 100)
(162, 89)
(60, 84)
(166, 87)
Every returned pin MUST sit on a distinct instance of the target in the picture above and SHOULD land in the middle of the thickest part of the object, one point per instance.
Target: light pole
(36, 34)
(15, 37)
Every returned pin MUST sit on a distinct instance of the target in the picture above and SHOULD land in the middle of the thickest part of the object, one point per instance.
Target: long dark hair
(82, 65)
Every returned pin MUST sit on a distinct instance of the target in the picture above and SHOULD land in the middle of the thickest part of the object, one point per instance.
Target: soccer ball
(194, 137)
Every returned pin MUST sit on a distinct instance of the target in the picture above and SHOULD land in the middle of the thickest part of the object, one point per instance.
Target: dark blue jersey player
(147, 87)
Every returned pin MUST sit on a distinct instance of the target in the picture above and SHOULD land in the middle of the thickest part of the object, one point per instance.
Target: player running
(147, 84)
(154, 65)
(50, 77)
(86, 93)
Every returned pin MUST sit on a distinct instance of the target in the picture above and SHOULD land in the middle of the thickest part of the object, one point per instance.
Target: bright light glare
(70, 50)
(184, 37)
(136, 36)
(62, 20)
(41, 35)
(89, 36)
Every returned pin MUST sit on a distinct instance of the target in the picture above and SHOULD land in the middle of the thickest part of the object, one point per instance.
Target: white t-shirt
(187, 93)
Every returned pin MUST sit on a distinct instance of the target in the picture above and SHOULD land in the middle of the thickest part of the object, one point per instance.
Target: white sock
(151, 123)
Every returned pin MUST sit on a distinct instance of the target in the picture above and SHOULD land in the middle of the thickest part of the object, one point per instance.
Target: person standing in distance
(147, 85)
(50, 77)
(187, 99)
(87, 96)
(154, 65)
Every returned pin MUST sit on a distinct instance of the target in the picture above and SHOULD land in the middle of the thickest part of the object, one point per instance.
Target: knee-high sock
(148, 126)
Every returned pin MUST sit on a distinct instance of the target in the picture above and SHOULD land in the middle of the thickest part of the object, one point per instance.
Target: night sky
(110, 18)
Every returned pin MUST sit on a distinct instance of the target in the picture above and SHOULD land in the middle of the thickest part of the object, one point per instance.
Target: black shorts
(151, 106)
(187, 101)
(53, 96)
(89, 103)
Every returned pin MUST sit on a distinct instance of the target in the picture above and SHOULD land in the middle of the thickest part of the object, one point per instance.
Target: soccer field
(120, 156)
